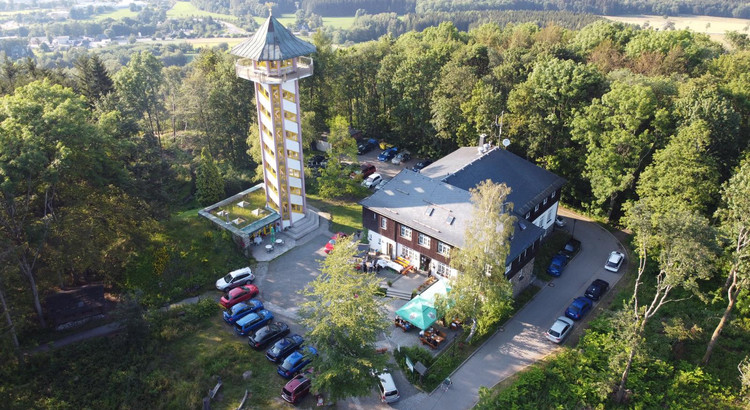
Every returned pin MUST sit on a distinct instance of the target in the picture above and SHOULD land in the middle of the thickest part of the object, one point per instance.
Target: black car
(366, 147)
(284, 347)
(596, 289)
(571, 248)
(421, 164)
(267, 334)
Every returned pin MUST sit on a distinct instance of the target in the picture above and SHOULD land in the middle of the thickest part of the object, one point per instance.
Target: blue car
(557, 265)
(241, 310)
(297, 361)
(388, 154)
(253, 321)
(580, 306)
(281, 349)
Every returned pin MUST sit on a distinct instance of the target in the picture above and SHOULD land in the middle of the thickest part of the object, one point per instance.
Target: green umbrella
(418, 312)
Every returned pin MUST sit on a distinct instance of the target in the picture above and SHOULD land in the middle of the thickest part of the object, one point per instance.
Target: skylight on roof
(450, 220)
(429, 211)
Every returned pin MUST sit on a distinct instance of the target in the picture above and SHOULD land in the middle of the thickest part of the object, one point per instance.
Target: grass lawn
(335, 22)
(214, 349)
(345, 216)
(184, 9)
(253, 209)
(187, 255)
(116, 15)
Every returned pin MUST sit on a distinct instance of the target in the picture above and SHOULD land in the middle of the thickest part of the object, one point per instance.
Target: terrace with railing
(247, 69)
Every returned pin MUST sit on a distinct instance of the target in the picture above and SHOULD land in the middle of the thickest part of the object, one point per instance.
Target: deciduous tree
(735, 219)
(480, 291)
(681, 242)
(344, 315)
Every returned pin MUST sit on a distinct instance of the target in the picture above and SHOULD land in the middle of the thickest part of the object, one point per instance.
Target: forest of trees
(640, 122)
(727, 8)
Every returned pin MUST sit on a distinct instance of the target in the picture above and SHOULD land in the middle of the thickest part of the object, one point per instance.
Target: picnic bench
(432, 338)
(403, 324)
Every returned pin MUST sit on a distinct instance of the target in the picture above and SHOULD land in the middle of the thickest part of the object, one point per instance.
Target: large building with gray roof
(422, 216)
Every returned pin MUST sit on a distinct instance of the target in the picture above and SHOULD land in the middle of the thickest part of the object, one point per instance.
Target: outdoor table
(269, 248)
(279, 242)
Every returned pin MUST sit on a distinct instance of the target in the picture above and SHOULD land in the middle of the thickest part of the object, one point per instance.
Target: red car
(332, 242)
(237, 295)
(297, 388)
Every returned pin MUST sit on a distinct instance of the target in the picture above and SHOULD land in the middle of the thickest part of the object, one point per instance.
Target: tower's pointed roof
(272, 42)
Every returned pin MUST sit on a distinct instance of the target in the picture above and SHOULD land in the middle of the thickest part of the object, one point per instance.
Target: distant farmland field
(715, 27)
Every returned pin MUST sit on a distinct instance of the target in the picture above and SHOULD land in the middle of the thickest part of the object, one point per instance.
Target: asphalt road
(522, 341)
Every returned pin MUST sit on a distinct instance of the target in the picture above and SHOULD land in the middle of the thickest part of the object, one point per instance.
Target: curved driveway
(522, 341)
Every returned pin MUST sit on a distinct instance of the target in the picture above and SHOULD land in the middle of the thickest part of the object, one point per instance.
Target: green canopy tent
(419, 312)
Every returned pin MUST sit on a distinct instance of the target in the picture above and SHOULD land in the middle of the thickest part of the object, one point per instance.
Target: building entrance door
(390, 250)
(424, 263)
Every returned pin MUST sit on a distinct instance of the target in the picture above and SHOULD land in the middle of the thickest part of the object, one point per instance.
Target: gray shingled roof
(466, 167)
(272, 42)
(409, 196)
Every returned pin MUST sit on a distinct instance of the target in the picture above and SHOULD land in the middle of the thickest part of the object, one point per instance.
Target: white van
(388, 390)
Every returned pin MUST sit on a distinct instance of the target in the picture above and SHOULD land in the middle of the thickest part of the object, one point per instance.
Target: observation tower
(274, 59)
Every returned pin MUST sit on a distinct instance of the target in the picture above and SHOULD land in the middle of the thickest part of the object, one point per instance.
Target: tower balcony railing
(245, 69)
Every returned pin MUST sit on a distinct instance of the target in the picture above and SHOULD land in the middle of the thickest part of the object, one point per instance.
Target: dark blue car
(297, 361)
(557, 265)
(281, 349)
(253, 321)
(580, 306)
(241, 310)
(388, 154)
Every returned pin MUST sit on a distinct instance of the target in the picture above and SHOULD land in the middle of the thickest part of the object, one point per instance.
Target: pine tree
(209, 183)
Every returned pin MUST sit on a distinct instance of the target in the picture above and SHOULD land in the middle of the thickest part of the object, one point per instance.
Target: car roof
(237, 272)
(615, 256)
(249, 318)
(579, 301)
(599, 282)
(373, 176)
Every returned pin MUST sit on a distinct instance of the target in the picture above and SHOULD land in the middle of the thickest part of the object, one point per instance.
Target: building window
(297, 208)
(545, 201)
(528, 214)
(295, 190)
(549, 217)
(536, 208)
(507, 268)
(405, 232)
(383, 223)
(442, 269)
(293, 136)
(443, 249)
(294, 173)
(553, 194)
(292, 154)
(423, 240)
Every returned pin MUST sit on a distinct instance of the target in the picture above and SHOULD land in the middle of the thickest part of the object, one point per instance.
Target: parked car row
(249, 318)
(577, 309)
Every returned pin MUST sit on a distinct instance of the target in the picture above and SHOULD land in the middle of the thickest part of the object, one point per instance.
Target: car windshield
(260, 334)
(574, 308)
(289, 362)
(228, 278)
(278, 347)
(591, 289)
(554, 333)
(611, 263)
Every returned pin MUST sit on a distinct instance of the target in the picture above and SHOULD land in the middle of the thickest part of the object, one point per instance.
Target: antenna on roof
(505, 142)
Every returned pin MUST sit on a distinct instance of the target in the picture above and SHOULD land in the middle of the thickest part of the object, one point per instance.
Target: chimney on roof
(482, 146)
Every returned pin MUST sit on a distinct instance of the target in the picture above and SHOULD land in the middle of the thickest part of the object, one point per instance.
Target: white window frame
(549, 217)
(383, 223)
(553, 193)
(442, 269)
(423, 240)
(443, 249)
(544, 202)
(536, 208)
(528, 215)
(405, 232)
